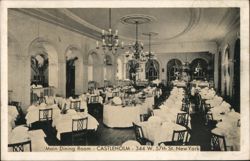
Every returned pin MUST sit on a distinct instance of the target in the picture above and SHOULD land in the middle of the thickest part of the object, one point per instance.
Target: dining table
(158, 133)
(63, 122)
(32, 115)
(22, 133)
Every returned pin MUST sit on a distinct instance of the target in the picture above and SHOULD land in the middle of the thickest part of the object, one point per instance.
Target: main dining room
(124, 77)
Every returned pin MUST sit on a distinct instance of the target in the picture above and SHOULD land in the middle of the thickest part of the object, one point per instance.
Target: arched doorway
(198, 69)
(44, 63)
(74, 69)
(173, 69)
(236, 80)
(152, 70)
(39, 69)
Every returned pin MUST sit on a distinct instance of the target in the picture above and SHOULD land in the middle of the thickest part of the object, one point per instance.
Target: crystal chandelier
(110, 40)
(149, 55)
(137, 48)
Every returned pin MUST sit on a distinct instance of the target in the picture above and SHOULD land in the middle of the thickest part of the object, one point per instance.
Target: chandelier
(110, 40)
(137, 48)
(149, 55)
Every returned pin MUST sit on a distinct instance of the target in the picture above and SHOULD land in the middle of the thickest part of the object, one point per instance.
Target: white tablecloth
(232, 136)
(12, 111)
(228, 127)
(33, 113)
(12, 115)
(118, 116)
(21, 134)
(63, 122)
(160, 133)
(170, 115)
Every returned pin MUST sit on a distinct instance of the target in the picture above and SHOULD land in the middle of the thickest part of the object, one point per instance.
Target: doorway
(70, 78)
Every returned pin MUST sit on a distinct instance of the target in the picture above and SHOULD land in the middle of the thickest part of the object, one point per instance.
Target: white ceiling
(172, 24)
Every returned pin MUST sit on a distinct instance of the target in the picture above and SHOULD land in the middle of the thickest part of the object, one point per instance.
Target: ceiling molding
(35, 15)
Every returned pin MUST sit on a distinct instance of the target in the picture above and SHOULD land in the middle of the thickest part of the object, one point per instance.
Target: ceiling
(171, 24)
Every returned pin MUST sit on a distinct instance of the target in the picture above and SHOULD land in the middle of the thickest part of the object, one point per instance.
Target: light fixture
(137, 48)
(110, 40)
(149, 54)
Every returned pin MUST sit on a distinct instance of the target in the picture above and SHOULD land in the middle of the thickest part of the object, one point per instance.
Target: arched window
(173, 69)
(152, 70)
(226, 72)
(199, 69)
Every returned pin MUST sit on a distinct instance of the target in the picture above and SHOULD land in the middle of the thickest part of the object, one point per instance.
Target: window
(152, 70)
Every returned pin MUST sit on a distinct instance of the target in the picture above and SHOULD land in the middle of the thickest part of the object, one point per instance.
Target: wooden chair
(143, 117)
(140, 136)
(79, 130)
(20, 147)
(76, 104)
(182, 119)
(218, 142)
(94, 99)
(185, 107)
(115, 94)
(179, 137)
(151, 113)
(209, 118)
(45, 114)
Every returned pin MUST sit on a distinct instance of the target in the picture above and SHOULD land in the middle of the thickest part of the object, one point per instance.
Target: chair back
(76, 104)
(45, 114)
(209, 117)
(80, 125)
(185, 107)
(218, 143)
(115, 94)
(143, 117)
(182, 119)
(94, 99)
(138, 132)
(18, 106)
(180, 137)
(21, 147)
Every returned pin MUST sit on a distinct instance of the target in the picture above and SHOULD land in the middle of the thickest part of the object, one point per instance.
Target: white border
(243, 154)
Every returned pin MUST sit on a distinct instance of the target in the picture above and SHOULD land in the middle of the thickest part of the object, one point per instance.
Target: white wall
(22, 30)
